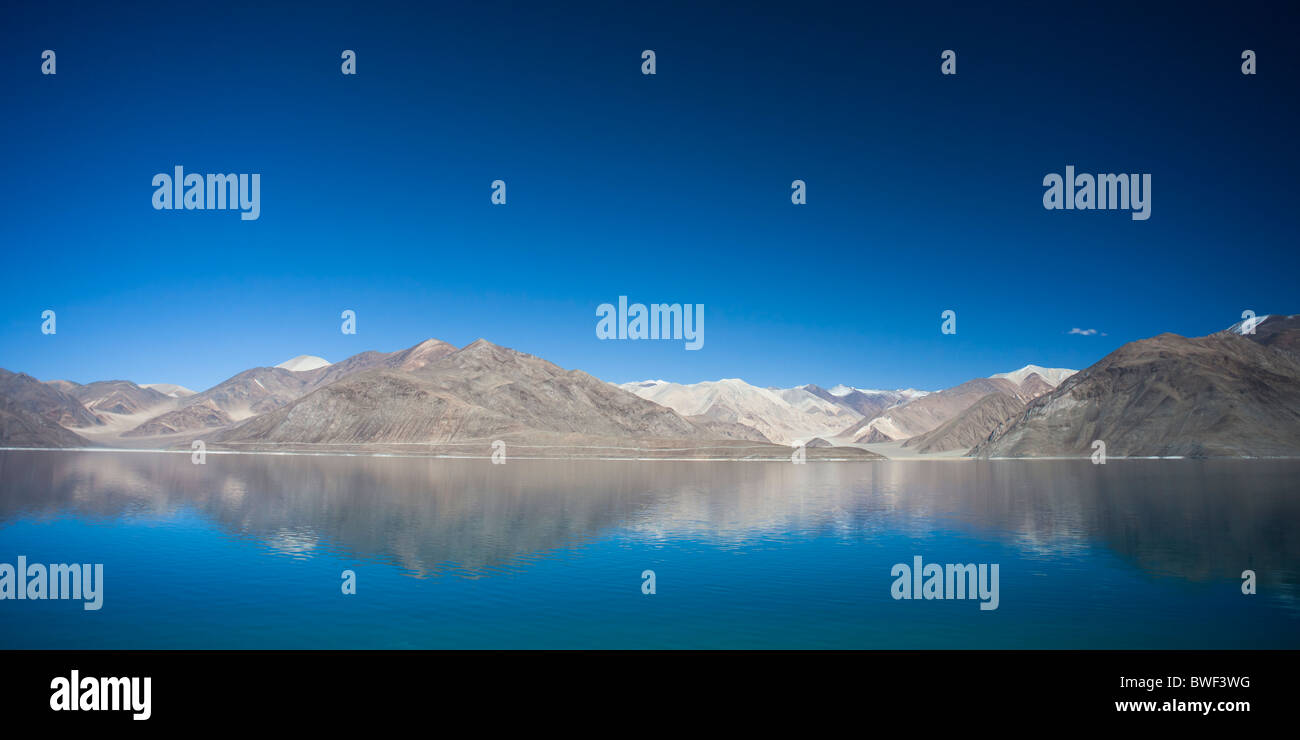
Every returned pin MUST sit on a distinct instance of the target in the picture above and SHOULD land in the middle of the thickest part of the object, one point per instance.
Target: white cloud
(1086, 332)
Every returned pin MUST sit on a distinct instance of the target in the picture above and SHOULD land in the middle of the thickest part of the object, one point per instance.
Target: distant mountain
(1277, 332)
(193, 418)
(263, 389)
(1232, 393)
(46, 401)
(169, 389)
(245, 395)
(67, 386)
(927, 412)
(784, 416)
(421, 355)
(872, 435)
(20, 427)
(1220, 395)
(304, 362)
(970, 427)
(930, 411)
(1053, 376)
(1034, 386)
(868, 403)
(118, 397)
(476, 394)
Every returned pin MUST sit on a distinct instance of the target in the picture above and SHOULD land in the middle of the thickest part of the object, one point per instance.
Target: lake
(248, 551)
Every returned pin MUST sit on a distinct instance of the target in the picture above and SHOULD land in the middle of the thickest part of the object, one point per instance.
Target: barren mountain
(873, 435)
(868, 403)
(169, 389)
(928, 412)
(421, 355)
(20, 427)
(45, 401)
(263, 389)
(971, 426)
(118, 397)
(716, 429)
(1277, 332)
(247, 394)
(193, 418)
(1034, 386)
(784, 416)
(1219, 395)
(474, 395)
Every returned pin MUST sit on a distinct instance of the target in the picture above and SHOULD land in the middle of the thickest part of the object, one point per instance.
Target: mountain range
(1233, 393)
(783, 415)
(1229, 394)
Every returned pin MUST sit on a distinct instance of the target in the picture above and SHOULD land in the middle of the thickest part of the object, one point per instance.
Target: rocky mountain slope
(1277, 332)
(169, 389)
(116, 396)
(868, 403)
(20, 427)
(45, 401)
(971, 426)
(1220, 395)
(784, 416)
(476, 394)
(926, 413)
(929, 412)
(263, 389)
(1232, 393)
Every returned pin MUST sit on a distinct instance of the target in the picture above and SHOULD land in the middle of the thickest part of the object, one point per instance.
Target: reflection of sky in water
(780, 554)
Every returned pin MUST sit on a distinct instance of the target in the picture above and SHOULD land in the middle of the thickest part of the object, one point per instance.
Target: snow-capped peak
(1053, 375)
(908, 393)
(304, 362)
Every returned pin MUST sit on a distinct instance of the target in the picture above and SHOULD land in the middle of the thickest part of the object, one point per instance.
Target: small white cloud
(1086, 332)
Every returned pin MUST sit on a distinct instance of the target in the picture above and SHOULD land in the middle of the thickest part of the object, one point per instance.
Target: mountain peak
(302, 363)
(422, 354)
(431, 342)
(1052, 375)
(169, 389)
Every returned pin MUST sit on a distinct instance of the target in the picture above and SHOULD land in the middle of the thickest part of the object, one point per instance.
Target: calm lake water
(247, 551)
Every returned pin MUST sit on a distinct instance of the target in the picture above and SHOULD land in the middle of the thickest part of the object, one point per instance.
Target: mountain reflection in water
(1185, 519)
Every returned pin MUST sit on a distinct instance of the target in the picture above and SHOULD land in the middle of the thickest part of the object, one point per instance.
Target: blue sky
(924, 191)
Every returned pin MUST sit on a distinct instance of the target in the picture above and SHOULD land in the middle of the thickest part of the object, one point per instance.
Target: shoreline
(939, 457)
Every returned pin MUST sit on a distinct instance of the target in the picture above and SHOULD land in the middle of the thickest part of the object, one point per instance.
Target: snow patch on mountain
(304, 362)
(783, 415)
(1053, 375)
(907, 393)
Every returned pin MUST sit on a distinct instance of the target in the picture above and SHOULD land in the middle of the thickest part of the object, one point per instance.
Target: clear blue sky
(924, 191)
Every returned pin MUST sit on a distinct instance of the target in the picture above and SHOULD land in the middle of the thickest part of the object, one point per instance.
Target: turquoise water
(247, 551)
